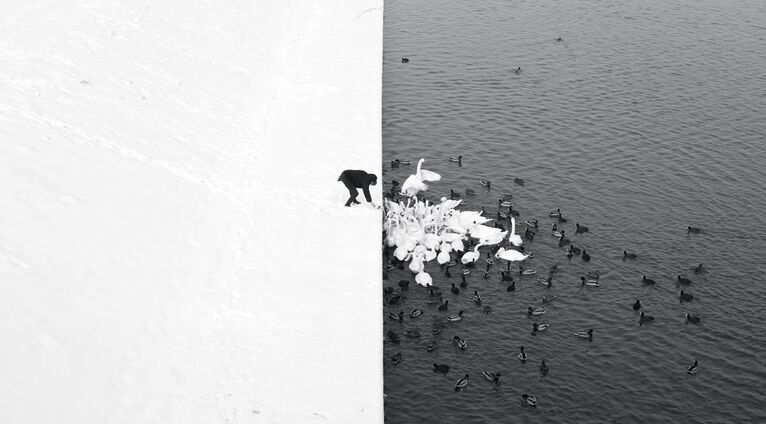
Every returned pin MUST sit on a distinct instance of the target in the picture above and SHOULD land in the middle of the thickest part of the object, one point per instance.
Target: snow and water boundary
(174, 246)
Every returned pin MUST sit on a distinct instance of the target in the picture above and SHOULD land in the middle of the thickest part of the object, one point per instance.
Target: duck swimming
(415, 333)
(626, 255)
(684, 297)
(470, 191)
(693, 230)
(534, 311)
(460, 342)
(486, 183)
(463, 282)
(458, 317)
(491, 376)
(547, 282)
(486, 273)
(529, 400)
(692, 319)
(476, 298)
(585, 256)
(581, 228)
(591, 283)
(396, 317)
(441, 368)
(647, 281)
(462, 383)
(519, 181)
(522, 355)
(458, 159)
(698, 269)
(502, 203)
(644, 318)
(544, 368)
(682, 280)
(585, 334)
(539, 327)
(416, 313)
(397, 359)
(637, 305)
(454, 289)
(693, 368)
(511, 287)
(443, 306)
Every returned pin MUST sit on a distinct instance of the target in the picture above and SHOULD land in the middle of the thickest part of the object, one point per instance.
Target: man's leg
(352, 191)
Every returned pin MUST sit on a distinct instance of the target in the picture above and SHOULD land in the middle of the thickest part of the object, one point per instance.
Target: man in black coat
(354, 179)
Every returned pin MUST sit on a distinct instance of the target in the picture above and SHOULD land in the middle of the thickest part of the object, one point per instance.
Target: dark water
(647, 117)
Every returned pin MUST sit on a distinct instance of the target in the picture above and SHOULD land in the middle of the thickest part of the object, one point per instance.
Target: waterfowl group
(421, 231)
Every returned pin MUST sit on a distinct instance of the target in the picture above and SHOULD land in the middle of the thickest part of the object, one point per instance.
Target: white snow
(173, 245)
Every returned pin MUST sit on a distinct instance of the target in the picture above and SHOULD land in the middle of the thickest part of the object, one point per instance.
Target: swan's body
(471, 257)
(424, 279)
(514, 238)
(511, 255)
(415, 183)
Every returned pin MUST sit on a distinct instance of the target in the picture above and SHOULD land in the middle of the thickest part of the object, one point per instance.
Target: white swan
(494, 239)
(514, 238)
(424, 279)
(415, 183)
(470, 257)
(416, 265)
(511, 255)
(443, 257)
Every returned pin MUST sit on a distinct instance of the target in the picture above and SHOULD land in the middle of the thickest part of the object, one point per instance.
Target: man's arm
(366, 190)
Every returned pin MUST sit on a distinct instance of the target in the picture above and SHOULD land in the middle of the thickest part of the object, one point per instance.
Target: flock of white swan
(422, 232)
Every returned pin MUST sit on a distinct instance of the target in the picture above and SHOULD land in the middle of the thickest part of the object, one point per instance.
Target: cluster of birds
(418, 231)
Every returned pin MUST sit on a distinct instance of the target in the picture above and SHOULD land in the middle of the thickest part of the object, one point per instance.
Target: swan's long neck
(513, 227)
(420, 162)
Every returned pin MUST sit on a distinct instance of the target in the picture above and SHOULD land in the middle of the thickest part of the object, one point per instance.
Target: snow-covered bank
(172, 242)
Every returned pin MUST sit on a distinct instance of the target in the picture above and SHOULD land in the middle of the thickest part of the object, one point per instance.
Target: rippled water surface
(647, 117)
